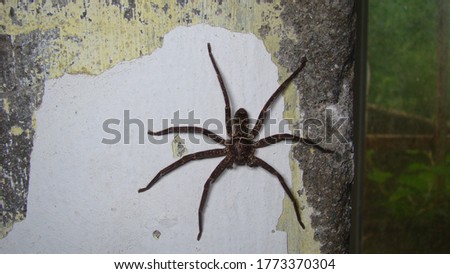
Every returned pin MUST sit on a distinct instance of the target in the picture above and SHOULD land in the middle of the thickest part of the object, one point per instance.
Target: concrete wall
(67, 58)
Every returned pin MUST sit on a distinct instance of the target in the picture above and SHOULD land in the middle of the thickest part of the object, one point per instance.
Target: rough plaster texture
(44, 40)
(326, 36)
(22, 87)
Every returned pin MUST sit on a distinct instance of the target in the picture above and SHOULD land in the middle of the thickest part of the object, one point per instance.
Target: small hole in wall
(156, 234)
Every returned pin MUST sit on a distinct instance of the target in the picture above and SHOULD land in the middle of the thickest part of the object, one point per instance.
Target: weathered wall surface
(47, 39)
(326, 35)
(83, 192)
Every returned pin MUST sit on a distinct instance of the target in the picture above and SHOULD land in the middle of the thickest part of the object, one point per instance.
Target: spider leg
(259, 162)
(224, 91)
(184, 160)
(214, 175)
(280, 89)
(288, 137)
(189, 129)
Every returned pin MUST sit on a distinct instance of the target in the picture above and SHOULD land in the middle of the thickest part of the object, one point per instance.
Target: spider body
(242, 149)
(239, 147)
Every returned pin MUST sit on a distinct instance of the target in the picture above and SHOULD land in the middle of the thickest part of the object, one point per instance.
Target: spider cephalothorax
(240, 146)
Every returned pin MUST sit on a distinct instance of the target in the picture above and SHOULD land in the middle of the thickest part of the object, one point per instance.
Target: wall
(83, 193)
(73, 175)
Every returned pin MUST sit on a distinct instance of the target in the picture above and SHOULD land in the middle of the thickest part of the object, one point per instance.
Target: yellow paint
(28, 133)
(16, 130)
(33, 121)
(105, 38)
(6, 105)
(5, 229)
(178, 146)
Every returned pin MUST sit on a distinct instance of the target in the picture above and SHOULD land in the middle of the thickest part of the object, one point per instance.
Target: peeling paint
(33, 121)
(6, 229)
(16, 130)
(95, 35)
(6, 105)
(28, 133)
(178, 147)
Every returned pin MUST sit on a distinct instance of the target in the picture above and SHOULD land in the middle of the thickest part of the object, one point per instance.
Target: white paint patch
(83, 194)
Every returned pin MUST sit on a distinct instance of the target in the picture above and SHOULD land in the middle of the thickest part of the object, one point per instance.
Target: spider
(240, 146)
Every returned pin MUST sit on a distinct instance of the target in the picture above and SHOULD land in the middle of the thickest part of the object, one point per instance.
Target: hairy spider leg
(225, 93)
(280, 89)
(288, 137)
(190, 129)
(214, 175)
(259, 162)
(213, 153)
